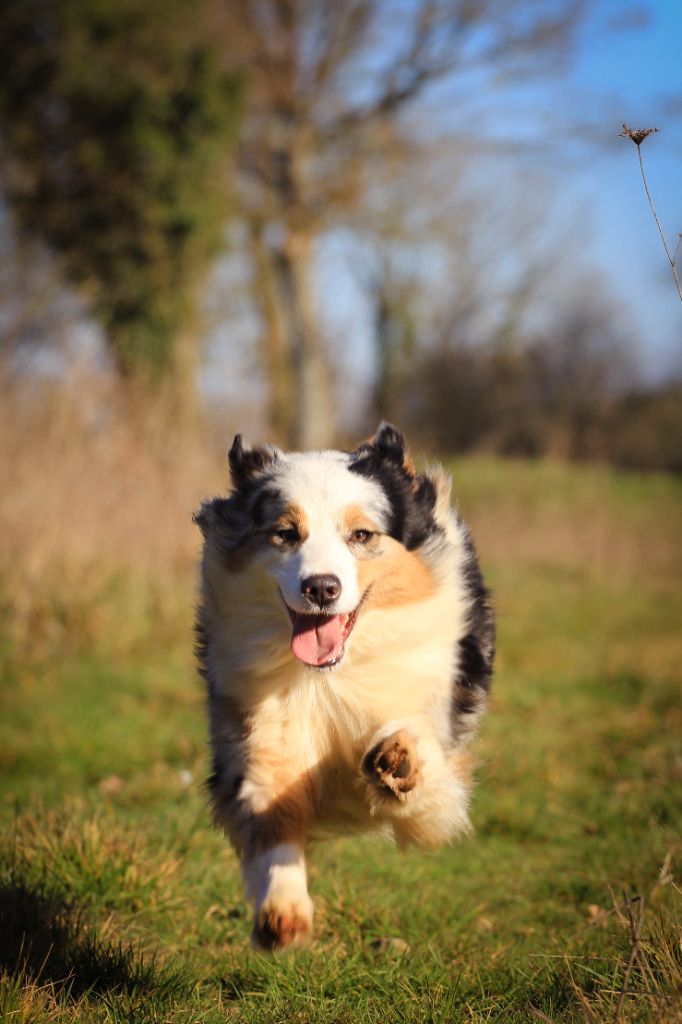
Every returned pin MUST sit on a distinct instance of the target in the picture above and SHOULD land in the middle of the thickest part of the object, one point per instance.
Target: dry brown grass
(98, 496)
(96, 527)
(601, 530)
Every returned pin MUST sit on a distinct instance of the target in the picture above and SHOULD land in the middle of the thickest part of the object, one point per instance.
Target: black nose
(321, 590)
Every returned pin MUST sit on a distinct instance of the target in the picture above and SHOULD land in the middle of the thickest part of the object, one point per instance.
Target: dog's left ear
(209, 514)
(389, 444)
(246, 461)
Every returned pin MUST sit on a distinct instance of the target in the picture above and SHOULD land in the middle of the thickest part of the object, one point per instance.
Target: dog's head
(336, 532)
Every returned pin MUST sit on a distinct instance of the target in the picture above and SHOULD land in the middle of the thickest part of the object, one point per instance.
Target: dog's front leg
(270, 835)
(412, 783)
(275, 880)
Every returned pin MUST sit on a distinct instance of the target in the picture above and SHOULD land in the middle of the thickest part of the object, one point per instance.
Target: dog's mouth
(320, 640)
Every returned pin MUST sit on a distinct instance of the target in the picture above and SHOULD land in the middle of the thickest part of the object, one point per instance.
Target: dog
(346, 638)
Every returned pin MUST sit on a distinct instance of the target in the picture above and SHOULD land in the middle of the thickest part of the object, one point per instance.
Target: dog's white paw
(282, 924)
(392, 765)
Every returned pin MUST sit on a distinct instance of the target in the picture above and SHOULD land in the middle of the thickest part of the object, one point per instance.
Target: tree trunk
(301, 413)
(314, 413)
(276, 354)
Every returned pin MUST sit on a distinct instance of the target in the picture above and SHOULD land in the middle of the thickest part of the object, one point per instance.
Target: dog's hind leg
(412, 784)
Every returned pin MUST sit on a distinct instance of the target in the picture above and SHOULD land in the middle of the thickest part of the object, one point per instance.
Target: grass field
(119, 903)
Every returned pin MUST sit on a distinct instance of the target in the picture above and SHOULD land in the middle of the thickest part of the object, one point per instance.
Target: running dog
(347, 640)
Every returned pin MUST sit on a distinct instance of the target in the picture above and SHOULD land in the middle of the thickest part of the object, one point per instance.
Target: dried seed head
(638, 135)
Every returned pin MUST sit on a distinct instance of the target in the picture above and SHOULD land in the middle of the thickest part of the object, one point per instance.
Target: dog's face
(336, 533)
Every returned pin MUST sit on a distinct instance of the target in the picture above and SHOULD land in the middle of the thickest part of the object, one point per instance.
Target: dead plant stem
(635, 929)
(671, 260)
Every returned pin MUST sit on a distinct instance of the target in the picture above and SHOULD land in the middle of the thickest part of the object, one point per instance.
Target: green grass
(119, 903)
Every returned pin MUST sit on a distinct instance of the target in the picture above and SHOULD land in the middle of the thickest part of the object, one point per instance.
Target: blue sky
(633, 74)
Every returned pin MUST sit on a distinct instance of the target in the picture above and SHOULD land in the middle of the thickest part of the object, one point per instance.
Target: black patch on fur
(411, 498)
(477, 649)
(246, 462)
(466, 702)
(232, 519)
(265, 507)
(473, 668)
(249, 509)
(216, 779)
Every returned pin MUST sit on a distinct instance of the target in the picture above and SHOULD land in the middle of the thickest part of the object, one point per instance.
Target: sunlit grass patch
(103, 752)
(54, 965)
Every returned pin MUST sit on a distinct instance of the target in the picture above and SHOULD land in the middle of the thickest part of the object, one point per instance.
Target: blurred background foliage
(180, 182)
(117, 121)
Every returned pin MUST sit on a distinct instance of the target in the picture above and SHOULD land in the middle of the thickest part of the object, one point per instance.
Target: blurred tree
(552, 392)
(395, 332)
(36, 311)
(328, 85)
(450, 270)
(116, 119)
(645, 429)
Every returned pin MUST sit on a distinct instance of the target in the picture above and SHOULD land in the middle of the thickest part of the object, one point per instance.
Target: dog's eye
(361, 536)
(287, 535)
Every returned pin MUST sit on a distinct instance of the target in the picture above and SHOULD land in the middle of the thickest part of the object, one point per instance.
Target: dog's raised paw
(392, 764)
(277, 929)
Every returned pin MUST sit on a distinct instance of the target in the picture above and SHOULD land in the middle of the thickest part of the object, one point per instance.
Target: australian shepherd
(346, 639)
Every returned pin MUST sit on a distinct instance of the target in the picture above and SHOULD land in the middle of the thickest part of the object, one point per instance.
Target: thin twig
(638, 136)
(677, 249)
(635, 929)
(658, 224)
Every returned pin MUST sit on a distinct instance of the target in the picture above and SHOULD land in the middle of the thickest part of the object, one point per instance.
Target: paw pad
(391, 765)
(274, 931)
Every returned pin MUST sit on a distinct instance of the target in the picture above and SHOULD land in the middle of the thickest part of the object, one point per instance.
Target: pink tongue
(317, 639)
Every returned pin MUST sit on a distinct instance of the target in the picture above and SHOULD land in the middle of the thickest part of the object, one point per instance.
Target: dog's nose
(321, 590)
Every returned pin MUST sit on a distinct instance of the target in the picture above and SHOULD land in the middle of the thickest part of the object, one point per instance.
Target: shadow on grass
(45, 940)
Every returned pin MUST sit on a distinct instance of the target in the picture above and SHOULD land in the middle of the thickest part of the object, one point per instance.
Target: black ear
(246, 461)
(387, 446)
(411, 498)
(389, 442)
(211, 511)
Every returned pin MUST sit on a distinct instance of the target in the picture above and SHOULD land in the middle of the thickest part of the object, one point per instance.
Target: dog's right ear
(245, 461)
(387, 445)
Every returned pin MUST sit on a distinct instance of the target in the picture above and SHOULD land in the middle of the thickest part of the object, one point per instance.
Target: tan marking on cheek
(395, 577)
(355, 518)
(294, 517)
